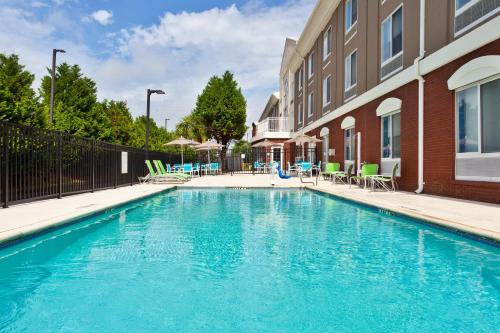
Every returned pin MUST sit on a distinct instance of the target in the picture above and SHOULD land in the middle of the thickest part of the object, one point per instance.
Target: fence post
(93, 165)
(129, 168)
(5, 175)
(59, 165)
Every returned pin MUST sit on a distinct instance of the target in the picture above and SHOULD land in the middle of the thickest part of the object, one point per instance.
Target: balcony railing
(273, 124)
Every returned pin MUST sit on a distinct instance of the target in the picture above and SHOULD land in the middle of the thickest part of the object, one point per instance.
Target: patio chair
(343, 177)
(162, 172)
(187, 168)
(205, 169)
(317, 167)
(367, 170)
(387, 183)
(304, 168)
(154, 177)
(330, 168)
(196, 169)
(215, 168)
(292, 169)
(258, 166)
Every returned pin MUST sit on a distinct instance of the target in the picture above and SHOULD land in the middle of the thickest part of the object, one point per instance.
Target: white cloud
(101, 16)
(178, 54)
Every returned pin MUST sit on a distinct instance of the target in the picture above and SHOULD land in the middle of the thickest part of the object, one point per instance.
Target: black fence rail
(259, 159)
(40, 164)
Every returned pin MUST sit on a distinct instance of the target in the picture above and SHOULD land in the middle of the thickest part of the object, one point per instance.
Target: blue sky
(127, 46)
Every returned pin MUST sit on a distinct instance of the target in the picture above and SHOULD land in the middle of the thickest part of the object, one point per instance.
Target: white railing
(273, 124)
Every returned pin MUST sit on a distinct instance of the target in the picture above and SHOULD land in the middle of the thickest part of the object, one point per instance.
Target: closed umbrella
(182, 142)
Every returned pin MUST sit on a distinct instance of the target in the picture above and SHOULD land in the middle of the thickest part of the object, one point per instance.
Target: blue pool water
(249, 261)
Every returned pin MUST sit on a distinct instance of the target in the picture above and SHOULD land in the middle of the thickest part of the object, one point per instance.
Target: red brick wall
(439, 135)
(439, 142)
(369, 125)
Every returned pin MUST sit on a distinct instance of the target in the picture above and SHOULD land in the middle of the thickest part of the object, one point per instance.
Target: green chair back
(150, 168)
(159, 167)
(369, 170)
(332, 167)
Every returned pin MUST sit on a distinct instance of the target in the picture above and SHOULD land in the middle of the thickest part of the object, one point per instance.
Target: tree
(120, 121)
(18, 101)
(221, 109)
(158, 136)
(75, 103)
(190, 127)
(242, 147)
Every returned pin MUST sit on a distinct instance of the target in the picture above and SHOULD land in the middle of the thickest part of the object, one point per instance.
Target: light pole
(159, 92)
(166, 122)
(53, 82)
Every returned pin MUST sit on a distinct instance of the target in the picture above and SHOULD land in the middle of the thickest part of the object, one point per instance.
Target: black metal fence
(40, 164)
(258, 160)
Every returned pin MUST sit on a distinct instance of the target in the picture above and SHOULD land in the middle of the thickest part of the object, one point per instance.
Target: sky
(128, 46)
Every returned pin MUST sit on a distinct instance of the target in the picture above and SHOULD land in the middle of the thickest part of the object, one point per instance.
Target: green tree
(76, 110)
(221, 109)
(158, 136)
(190, 127)
(18, 101)
(242, 147)
(120, 121)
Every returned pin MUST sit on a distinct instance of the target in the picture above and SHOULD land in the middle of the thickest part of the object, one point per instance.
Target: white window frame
(310, 105)
(327, 37)
(353, 24)
(345, 72)
(301, 78)
(459, 11)
(389, 17)
(326, 90)
(310, 66)
(351, 144)
(391, 158)
(300, 115)
(479, 153)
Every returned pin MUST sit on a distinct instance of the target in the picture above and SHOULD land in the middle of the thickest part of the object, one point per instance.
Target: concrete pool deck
(471, 217)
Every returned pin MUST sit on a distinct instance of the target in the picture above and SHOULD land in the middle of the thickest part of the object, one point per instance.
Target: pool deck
(475, 218)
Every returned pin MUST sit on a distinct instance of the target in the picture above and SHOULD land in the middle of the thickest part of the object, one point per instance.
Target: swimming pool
(249, 261)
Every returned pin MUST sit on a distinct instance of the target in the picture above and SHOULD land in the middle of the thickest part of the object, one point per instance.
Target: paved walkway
(473, 217)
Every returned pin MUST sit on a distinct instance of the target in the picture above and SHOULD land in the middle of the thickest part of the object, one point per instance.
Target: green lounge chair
(162, 172)
(330, 169)
(341, 176)
(387, 183)
(156, 178)
(367, 170)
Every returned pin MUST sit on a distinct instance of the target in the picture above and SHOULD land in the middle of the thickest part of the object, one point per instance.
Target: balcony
(273, 128)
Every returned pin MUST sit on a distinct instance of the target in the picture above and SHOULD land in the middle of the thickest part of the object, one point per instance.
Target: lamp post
(159, 92)
(166, 122)
(53, 82)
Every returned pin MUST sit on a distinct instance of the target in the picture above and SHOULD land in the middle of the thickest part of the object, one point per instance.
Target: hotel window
(310, 105)
(310, 65)
(327, 91)
(351, 14)
(478, 118)
(391, 136)
(327, 43)
(392, 36)
(301, 115)
(301, 78)
(349, 137)
(350, 71)
(460, 5)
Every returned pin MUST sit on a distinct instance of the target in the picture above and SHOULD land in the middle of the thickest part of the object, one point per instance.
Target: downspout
(421, 81)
